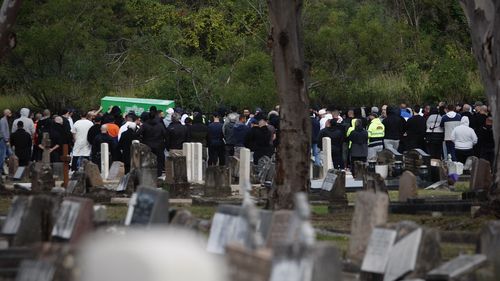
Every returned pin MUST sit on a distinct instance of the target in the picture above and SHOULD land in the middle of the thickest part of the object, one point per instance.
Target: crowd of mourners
(357, 134)
(223, 132)
(445, 131)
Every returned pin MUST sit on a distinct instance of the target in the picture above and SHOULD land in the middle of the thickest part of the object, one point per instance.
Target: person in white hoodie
(464, 139)
(29, 126)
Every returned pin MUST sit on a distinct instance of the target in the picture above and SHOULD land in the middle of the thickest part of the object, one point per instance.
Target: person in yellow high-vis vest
(376, 133)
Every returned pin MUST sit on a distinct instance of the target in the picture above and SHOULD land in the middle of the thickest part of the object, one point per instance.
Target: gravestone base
(42, 178)
(92, 174)
(218, 181)
(247, 265)
(179, 190)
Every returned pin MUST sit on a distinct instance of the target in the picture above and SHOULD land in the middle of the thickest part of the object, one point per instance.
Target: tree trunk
(483, 17)
(8, 14)
(292, 173)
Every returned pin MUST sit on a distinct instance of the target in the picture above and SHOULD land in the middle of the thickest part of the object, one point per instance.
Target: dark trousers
(229, 151)
(216, 153)
(338, 160)
(435, 149)
(160, 159)
(462, 155)
(450, 147)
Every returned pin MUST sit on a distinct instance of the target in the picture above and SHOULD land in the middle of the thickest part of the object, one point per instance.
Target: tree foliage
(209, 53)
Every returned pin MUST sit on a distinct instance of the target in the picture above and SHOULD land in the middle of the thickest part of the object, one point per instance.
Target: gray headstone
(20, 174)
(280, 226)
(77, 183)
(320, 262)
(248, 265)
(58, 170)
(75, 219)
(371, 209)
(468, 163)
(16, 213)
(13, 164)
(92, 174)
(489, 241)
(407, 186)
(117, 171)
(378, 250)
(403, 257)
(374, 182)
(41, 177)
(481, 177)
(36, 270)
(329, 181)
(229, 226)
(175, 170)
(457, 267)
(150, 207)
(217, 181)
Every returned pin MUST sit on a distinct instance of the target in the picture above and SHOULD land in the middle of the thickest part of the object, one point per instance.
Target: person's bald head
(104, 129)
(484, 109)
(7, 113)
(46, 113)
(466, 108)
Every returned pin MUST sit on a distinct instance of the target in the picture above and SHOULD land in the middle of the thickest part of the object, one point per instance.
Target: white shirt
(123, 129)
(80, 131)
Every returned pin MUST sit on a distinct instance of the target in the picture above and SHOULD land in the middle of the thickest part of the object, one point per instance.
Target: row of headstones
(405, 250)
(263, 245)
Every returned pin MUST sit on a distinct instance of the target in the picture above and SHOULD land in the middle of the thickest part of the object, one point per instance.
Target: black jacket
(258, 140)
(176, 135)
(359, 142)
(21, 141)
(96, 147)
(198, 132)
(125, 143)
(415, 131)
(153, 134)
(394, 125)
(336, 133)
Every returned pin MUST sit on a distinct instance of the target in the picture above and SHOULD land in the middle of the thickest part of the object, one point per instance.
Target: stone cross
(46, 148)
(104, 160)
(304, 232)
(65, 158)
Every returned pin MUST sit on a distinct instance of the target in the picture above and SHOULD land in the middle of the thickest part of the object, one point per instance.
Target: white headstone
(104, 160)
(327, 155)
(403, 257)
(378, 250)
(187, 150)
(197, 162)
(245, 166)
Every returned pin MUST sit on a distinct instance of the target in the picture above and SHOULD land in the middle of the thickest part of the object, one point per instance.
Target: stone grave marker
(148, 169)
(36, 270)
(329, 180)
(234, 164)
(378, 250)
(16, 213)
(407, 186)
(117, 171)
(127, 183)
(30, 219)
(41, 177)
(217, 181)
(489, 240)
(481, 177)
(13, 164)
(66, 159)
(148, 206)
(280, 225)
(428, 253)
(245, 265)
(403, 257)
(21, 174)
(457, 267)
(337, 196)
(175, 170)
(245, 168)
(104, 160)
(468, 164)
(388, 156)
(360, 170)
(326, 154)
(183, 218)
(371, 209)
(374, 182)
(415, 158)
(228, 225)
(74, 220)
(58, 170)
(78, 183)
(92, 174)
(319, 262)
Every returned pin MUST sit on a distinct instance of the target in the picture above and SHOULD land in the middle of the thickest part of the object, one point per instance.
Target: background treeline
(214, 52)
